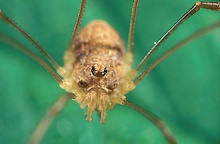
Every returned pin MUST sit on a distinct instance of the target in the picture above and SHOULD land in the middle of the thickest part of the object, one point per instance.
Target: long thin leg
(176, 47)
(46, 120)
(166, 132)
(132, 26)
(77, 24)
(7, 20)
(205, 5)
(22, 48)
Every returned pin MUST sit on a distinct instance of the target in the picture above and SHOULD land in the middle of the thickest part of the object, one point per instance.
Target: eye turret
(98, 70)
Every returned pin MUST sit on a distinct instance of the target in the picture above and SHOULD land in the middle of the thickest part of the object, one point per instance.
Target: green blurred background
(184, 90)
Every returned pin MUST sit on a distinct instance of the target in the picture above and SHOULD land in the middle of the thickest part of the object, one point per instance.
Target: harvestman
(97, 72)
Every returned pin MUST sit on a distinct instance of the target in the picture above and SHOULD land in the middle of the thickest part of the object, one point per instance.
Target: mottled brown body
(96, 69)
(99, 46)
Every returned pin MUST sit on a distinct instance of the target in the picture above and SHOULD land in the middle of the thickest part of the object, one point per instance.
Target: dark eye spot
(105, 71)
(93, 70)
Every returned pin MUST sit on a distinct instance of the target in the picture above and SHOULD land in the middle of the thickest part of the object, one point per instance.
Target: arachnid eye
(105, 71)
(98, 70)
(93, 70)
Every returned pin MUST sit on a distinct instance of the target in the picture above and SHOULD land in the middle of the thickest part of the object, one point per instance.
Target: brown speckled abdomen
(98, 34)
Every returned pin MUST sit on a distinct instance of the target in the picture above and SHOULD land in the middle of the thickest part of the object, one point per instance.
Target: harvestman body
(97, 72)
(95, 69)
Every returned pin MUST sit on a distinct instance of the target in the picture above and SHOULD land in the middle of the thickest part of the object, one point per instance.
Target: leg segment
(46, 120)
(166, 132)
(215, 6)
(7, 20)
(176, 47)
(77, 24)
(23, 49)
(132, 25)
